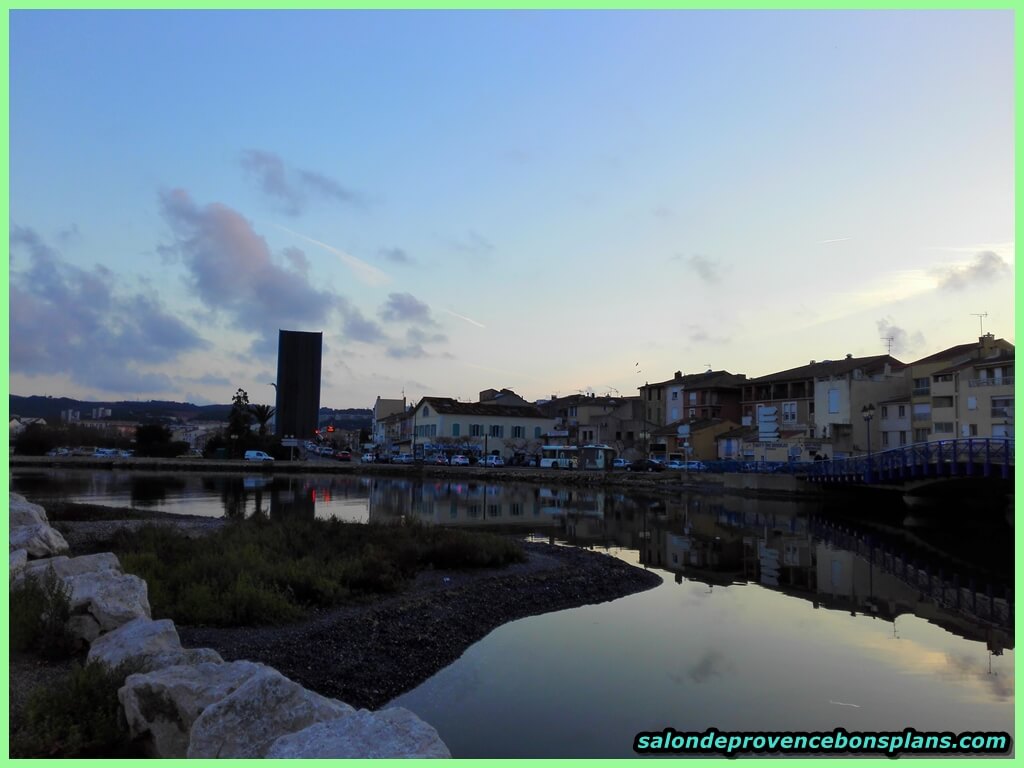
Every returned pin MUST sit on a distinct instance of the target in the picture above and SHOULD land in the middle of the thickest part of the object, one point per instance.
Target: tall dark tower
(298, 383)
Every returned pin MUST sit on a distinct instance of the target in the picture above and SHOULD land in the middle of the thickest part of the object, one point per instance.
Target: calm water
(773, 615)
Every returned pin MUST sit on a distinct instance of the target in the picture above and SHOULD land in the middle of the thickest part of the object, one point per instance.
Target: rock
(65, 566)
(19, 558)
(148, 645)
(83, 628)
(111, 598)
(248, 721)
(23, 512)
(166, 702)
(39, 539)
(395, 732)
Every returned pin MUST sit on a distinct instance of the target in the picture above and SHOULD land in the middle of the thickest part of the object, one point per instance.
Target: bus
(559, 456)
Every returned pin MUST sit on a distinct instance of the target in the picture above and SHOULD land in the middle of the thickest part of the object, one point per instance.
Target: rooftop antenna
(981, 323)
(888, 340)
(708, 365)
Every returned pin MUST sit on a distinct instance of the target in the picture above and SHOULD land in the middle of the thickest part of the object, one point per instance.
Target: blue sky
(534, 200)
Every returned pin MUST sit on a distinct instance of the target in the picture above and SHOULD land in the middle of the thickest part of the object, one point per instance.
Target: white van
(258, 456)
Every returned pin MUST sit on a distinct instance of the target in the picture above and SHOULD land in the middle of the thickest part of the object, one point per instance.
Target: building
(894, 426)
(946, 361)
(696, 439)
(298, 383)
(386, 429)
(974, 398)
(442, 424)
(586, 418)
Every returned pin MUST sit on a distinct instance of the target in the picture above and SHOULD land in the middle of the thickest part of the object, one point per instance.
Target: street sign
(290, 442)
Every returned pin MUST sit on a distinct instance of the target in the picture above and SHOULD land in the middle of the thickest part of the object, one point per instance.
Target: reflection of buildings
(298, 383)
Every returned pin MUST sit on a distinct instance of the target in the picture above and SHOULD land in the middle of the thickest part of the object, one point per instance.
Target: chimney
(988, 343)
(849, 356)
(814, 362)
(679, 375)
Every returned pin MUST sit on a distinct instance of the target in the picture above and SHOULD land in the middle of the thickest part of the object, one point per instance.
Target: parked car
(58, 452)
(440, 459)
(694, 466)
(645, 465)
(366, 458)
(620, 463)
(258, 456)
(343, 455)
(459, 460)
(676, 464)
(403, 458)
(494, 461)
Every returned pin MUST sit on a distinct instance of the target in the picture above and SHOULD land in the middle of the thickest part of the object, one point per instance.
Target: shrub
(39, 611)
(79, 716)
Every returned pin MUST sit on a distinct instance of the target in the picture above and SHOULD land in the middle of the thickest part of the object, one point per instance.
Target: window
(922, 386)
(903, 412)
(693, 398)
(942, 402)
(922, 411)
(515, 509)
(494, 510)
(972, 430)
(497, 430)
(426, 410)
(476, 430)
(885, 439)
(789, 413)
(972, 403)
(618, 435)
(518, 431)
(675, 394)
(455, 429)
(572, 412)
(1002, 407)
(921, 435)
(833, 401)
(885, 411)
(629, 437)
(693, 412)
(943, 427)
(944, 377)
(536, 432)
(903, 437)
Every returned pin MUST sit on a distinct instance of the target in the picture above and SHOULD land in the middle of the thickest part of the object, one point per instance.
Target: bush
(260, 571)
(80, 716)
(39, 611)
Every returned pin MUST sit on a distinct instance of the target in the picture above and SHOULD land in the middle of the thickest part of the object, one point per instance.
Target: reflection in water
(833, 607)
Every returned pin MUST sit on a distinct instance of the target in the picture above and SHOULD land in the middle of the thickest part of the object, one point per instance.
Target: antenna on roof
(708, 365)
(888, 340)
(981, 324)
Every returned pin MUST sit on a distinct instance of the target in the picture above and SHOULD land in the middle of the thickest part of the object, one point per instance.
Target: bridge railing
(967, 456)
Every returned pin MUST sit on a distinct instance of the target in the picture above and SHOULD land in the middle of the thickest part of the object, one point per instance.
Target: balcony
(1005, 381)
(921, 391)
(1002, 413)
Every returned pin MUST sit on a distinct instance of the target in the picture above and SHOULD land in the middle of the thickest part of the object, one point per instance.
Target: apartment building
(442, 423)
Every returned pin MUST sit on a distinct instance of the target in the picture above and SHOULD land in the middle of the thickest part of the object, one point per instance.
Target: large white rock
(23, 512)
(110, 597)
(39, 539)
(395, 732)
(148, 645)
(19, 559)
(248, 721)
(65, 566)
(165, 703)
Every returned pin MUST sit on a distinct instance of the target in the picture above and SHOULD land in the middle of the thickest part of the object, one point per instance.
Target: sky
(549, 201)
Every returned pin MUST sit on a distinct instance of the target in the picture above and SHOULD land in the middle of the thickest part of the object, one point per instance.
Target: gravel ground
(369, 653)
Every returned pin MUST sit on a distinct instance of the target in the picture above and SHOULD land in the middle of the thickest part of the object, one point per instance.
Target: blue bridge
(958, 458)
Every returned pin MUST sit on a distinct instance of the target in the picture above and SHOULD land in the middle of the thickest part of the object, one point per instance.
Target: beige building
(974, 398)
(922, 403)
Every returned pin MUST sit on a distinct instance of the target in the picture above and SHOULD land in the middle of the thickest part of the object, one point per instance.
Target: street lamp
(868, 412)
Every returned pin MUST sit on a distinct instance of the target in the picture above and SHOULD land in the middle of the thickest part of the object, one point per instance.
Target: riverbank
(746, 484)
(368, 653)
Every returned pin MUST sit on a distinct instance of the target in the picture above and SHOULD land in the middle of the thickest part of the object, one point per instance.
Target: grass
(78, 716)
(39, 611)
(260, 571)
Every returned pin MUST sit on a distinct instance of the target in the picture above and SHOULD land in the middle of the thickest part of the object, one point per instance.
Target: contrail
(843, 704)
(463, 317)
(367, 272)
(834, 240)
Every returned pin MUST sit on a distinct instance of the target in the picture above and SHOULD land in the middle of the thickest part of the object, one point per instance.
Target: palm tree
(263, 414)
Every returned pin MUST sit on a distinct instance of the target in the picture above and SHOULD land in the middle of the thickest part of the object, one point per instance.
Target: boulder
(39, 539)
(83, 628)
(147, 645)
(65, 566)
(19, 558)
(388, 733)
(110, 597)
(165, 703)
(264, 708)
(24, 512)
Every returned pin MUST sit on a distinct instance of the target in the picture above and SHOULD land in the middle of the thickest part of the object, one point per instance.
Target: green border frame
(462, 5)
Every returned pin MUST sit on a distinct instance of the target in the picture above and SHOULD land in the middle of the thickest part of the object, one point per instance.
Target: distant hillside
(49, 408)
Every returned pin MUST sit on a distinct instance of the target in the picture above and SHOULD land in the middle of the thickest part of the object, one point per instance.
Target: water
(774, 615)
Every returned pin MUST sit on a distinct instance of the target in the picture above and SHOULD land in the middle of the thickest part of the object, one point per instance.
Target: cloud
(68, 320)
(708, 270)
(232, 272)
(395, 256)
(988, 266)
(422, 337)
(406, 308)
(473, 245)
(902, 341)
(410, 351)
(356, 327)
(292, 189)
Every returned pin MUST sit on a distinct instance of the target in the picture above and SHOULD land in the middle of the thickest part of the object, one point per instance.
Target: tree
(263, 414)
(238, 421)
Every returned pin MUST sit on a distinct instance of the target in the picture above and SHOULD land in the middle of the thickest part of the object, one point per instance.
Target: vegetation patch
(79, 716)
(39, 612)
(260, 571)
